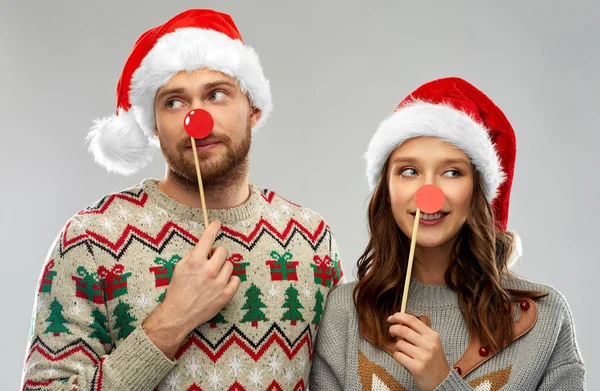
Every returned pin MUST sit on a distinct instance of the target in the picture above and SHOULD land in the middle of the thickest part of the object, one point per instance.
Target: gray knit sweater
(545, 356)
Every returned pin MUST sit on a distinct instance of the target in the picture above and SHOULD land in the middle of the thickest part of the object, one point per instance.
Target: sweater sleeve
(565, 369)
(69, 345)
(328, 367)
(453, 382)
(334, 253)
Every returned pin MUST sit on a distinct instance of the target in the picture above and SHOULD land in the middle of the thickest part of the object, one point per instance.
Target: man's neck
(229, 195)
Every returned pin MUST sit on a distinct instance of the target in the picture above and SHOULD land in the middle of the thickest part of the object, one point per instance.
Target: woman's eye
(452, 173)
(408, 172)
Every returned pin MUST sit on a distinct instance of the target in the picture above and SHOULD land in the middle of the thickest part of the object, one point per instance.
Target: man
(136, 294)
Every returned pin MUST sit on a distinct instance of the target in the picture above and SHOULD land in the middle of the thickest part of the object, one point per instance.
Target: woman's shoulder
(342, 295)
(553, 301)
(340, 300)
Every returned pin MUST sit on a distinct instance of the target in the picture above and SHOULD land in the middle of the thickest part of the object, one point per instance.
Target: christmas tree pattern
(100, 327)
(163, 272)
(114, 281)
(293, 305)
(318, 308)
(57, 320)
(282, 267)
(123, 319)
(239, 267)
(47, 277)
(88, 286)
(253, 305)
(217, 319)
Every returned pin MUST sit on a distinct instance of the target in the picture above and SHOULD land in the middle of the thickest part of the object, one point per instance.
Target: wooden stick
(200, 187)
(411, 256)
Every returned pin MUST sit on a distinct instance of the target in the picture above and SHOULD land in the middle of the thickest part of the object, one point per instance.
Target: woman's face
(429, 160)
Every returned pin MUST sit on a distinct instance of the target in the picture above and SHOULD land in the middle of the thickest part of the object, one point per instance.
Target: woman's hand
(418, 348)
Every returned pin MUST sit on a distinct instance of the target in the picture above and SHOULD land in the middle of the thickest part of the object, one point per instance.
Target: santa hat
(193, 39)
(457, 112)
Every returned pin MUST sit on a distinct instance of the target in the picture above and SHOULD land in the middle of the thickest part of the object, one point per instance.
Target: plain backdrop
(337, 68)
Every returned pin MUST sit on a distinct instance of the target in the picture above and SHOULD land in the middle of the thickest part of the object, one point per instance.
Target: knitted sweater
(545, 356)
(110, 267)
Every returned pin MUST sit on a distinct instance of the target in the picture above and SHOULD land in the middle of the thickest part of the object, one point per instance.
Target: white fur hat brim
(122, 143)
(419, 119)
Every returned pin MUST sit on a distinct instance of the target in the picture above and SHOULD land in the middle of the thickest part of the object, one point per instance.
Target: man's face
(223, 155)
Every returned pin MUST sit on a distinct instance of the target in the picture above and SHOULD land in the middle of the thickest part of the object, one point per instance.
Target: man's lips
(204, 143)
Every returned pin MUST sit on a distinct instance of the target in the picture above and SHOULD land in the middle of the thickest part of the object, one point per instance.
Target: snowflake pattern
(142, 301)
(275, 216)
(256, 377)
(147, 219)
(195, 225)
(284, 207)
(274, 365)
(289, 375)
(302, 364)
(193, 366)
(172, 381)
(306, 215)
(163, 212)
(124, 212)
(108, 225)
(79, 223)
(236, 365)
(215, 379)
(273, 291)
(307, 292)
(76, 309)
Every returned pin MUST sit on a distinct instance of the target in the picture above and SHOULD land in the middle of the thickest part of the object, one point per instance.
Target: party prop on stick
(199, 124)
(429, 199)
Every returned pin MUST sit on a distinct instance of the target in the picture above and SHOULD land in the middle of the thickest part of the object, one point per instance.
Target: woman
(469, 323)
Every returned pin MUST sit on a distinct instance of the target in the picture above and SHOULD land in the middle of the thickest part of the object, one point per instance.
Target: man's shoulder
(282, 204)
(117, 205)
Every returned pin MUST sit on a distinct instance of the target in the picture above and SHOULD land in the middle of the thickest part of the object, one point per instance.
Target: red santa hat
(457, 112)
(193, 39)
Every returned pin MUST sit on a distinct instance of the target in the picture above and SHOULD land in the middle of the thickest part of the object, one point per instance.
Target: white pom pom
(119, 144)
(517, 250)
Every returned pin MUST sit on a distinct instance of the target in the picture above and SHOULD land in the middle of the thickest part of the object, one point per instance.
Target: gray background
(337, 69)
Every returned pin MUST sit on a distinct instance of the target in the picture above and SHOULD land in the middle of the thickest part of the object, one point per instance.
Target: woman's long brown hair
(475, 273)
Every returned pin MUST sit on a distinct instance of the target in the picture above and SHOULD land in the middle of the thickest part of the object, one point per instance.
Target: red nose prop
(430, 198)
(198, 123)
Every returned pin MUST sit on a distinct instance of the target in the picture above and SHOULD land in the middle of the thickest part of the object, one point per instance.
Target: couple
(136, 294)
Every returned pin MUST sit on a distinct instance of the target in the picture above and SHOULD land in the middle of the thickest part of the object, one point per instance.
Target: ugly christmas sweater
(543, 357)
(111, 265)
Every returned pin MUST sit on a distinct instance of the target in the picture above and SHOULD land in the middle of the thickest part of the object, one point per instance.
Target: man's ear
(255, 115)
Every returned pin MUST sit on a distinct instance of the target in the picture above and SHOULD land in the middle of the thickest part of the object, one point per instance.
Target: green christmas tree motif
(253, 305)
(217, 319)
(124, 319)
(100, 327)
(318, 308)
(57, 320)
(293, 305)
(161, 298)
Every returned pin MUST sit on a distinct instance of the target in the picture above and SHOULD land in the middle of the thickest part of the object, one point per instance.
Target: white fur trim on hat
(121, 143)
(421, 118)
(517, 250)
(188, 49)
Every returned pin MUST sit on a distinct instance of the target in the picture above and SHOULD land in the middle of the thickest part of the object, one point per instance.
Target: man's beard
(220, 171)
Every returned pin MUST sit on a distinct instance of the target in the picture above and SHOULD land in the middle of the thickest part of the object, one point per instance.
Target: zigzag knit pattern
(112, 263)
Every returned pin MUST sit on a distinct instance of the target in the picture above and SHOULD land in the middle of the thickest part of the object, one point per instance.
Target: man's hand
(201, 286)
